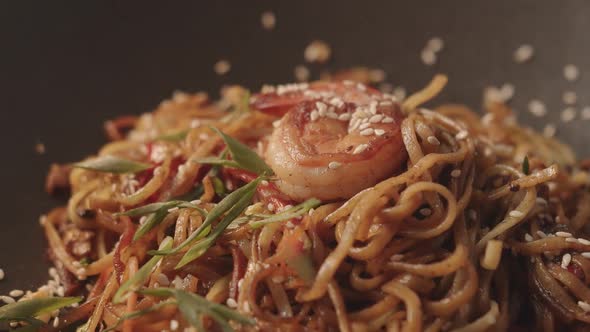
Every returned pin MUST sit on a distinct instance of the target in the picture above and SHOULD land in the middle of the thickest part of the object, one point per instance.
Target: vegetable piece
(138, 279)
(27, 310)
(244, 156)
(193, 307)
(112, 164)
(294, 252)
(291, 213)
(525, 165)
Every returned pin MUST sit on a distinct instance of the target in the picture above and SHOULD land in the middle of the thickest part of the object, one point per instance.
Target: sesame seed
(334, 165)
(270, 207)
(516, 214)
(523, 53)
(569, 98)
(568, 114)
(571, 239)
(16, 293)
(584, 306)
(425, 212)
(360, 148)
(433, 140)
(55, 322)
(364, 125)
(584, 241)
(268, 20)
(399, 93)
(264, 183)
(461, 135)
(317, 51)
(563, 234)
(456, 173)
(174, 325)
(301, 73)
(344, 117)
(276, 123)
(173, 209)
(549, 130)
(377, 75)
(163, 279)
(367, 132)
(571, 72)
(387, 119)
(322, 108)
(507, 91)
(435, 44)
(528, 237)
(222, 67)
(40, 148)
(376, 118)
(2, 274)
(379, 132)
(361, 87)
(428, 57)
(537, 108)
(332, 115)
(566, 260)
(586, 254)
(314, 115)
(7, 299)
(198, 201)
(232, 303)
(585, 113)
(541, 234)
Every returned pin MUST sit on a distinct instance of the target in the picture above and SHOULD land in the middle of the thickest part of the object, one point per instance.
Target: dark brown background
(65, 67)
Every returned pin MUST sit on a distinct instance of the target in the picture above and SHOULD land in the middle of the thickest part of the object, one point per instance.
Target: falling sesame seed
(523, 53)
(2, 274)
(585, 113)
(566, 260)
(379, 132)
(549, 130)
(433, 140)
(568, 114)
(584, 306)
(399, 93)
(571, 239)
(586, 254)
(537, 108)
(584, 241)
(541, 234)
(435, 44)
(456, 173)
(222, 67)
(563, 234)
(507, 91)
(569, 98)
(16, 293)
(334, 165)
(360, 148)
(367, 132)
(428, 57)
(377, 75)
(231, 303)
(461, 135)
(40, 148)
(7, 299)
(55, 322)
(174, 325)
(317, 51)
(528, 237)
(301, 73)
(571, 72)
(516, 214)
(268, 20)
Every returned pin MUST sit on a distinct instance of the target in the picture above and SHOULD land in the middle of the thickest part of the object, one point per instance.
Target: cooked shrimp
(333, 140)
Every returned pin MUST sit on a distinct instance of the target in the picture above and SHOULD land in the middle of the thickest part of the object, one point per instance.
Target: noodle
(479, 224)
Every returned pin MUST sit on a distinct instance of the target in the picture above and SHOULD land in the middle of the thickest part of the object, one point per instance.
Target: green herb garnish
(194, 307)
(112, 164)
(140, 277)
(27, 310)
(156, 212)
(243, 156)
(230, 208)
(525, 165)
(291, 213)
(174, 137)
(139, 313)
